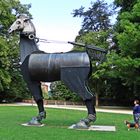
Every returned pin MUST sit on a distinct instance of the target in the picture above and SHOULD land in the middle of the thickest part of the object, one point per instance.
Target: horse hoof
(79, 125)
(34, 121)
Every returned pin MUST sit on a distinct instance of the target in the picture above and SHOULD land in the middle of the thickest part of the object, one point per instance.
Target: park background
(113, 26)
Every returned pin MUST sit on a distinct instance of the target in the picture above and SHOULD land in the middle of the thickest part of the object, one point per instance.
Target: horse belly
(47, 66)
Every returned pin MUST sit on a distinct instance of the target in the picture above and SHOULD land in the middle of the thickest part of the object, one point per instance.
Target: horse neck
(27, 46)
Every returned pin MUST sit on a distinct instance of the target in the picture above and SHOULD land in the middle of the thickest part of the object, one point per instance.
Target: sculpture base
(36, 125)
(95, 128)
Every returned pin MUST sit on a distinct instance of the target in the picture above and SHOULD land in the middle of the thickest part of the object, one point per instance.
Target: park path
(98, 109)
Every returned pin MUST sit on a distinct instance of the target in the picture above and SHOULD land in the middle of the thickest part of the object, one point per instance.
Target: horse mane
(22, 16)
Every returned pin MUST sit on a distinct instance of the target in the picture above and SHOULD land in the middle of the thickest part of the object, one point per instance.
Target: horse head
(23, 24)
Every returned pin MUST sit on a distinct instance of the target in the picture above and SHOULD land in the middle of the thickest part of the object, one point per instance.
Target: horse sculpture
(73, 68)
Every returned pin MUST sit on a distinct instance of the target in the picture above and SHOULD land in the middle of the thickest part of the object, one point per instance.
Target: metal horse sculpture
(73, 68)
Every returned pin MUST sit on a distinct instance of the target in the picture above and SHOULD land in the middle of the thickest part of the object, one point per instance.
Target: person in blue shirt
(136, 112)
(136, 116)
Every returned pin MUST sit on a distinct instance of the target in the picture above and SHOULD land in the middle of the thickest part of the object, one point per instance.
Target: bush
(60, 92)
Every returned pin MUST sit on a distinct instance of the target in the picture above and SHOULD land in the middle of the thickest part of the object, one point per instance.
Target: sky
(53, 20)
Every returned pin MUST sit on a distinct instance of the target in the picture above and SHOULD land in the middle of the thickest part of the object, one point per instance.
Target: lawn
(57, 123)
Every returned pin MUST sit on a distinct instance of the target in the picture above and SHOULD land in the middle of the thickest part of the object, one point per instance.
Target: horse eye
(18, 22)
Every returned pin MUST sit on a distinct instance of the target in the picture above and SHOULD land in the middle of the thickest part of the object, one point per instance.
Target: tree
(11, 83)
(125, 5)
(124, 64)
(122, 61)
(128, 41)
(127, 34)
(95, 30)
(61, 92)
(96, 18)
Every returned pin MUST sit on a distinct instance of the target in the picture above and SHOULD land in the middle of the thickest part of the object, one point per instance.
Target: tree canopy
(123, 62)
(11, 83)
(96, 18)
(118, 76)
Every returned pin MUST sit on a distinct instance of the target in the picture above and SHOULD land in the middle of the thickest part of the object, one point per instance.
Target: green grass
(57, 122)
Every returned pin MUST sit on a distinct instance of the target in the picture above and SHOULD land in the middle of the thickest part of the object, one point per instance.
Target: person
(136, 116)
(136, 112)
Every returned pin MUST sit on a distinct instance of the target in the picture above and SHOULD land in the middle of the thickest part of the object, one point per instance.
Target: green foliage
(117, 77)
(127, 61)
(9, 9)
(128, 34)
(125, 5)
(11, 83)
(5, 78)
(123, 63)
(96, 18)
(61, 92)
(123, 59)
(96, 30)
(95, 38)
(116, 66)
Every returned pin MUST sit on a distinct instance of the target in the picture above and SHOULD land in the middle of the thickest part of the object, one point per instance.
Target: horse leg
(35, 89)
(75, 79)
